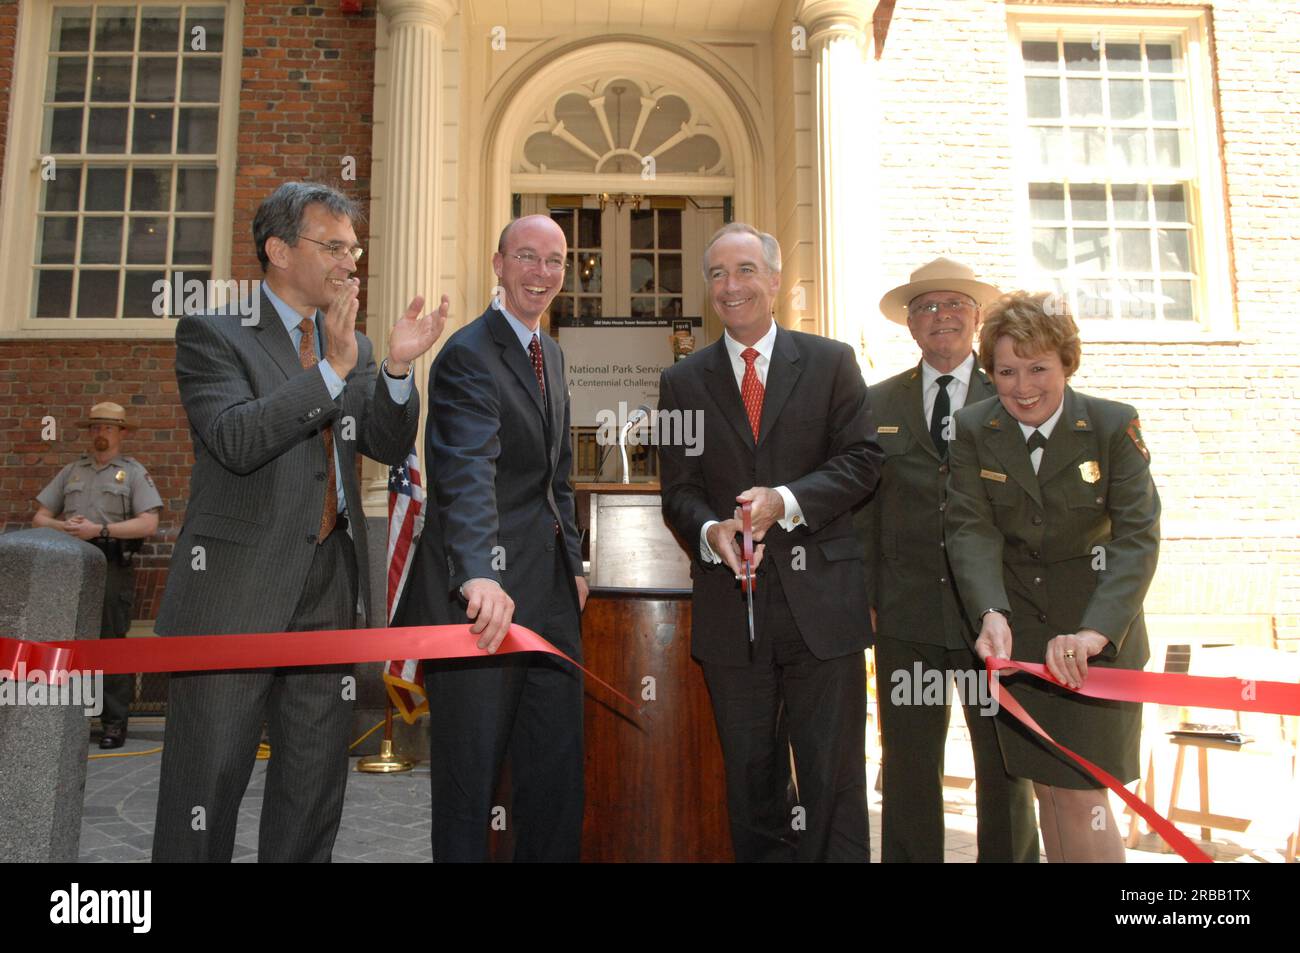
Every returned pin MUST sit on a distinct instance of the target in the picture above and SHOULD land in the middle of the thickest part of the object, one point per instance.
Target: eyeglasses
(952, 306)
(338, 250)
(529, 260)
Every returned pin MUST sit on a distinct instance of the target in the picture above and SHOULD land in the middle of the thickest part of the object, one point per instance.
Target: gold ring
(1069, 653)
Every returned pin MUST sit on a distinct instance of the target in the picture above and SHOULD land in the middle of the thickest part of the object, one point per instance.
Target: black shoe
(114, 736)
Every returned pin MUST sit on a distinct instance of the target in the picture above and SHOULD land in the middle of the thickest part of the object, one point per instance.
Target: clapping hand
(412, 335)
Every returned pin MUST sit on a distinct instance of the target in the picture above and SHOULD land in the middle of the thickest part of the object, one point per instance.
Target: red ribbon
(266, 650)
(1164, 688)
(1167, 688)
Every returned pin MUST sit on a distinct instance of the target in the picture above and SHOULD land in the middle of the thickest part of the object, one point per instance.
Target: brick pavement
(386, 817)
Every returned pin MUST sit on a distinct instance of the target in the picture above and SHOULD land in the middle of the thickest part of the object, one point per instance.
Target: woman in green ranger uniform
(1053, 530)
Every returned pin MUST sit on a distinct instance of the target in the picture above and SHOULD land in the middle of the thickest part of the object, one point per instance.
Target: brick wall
(8, 37)
(307, 87)
(62, 381)
(307, 82)
(1220, 418)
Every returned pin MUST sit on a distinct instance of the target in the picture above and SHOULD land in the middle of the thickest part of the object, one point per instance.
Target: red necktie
(330, 508)
(535, 352)
(751, 391)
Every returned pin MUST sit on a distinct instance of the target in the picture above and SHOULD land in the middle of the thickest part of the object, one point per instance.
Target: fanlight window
(616, 126)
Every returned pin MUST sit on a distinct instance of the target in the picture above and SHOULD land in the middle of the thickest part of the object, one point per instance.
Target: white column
(410, 188)
(845, 165)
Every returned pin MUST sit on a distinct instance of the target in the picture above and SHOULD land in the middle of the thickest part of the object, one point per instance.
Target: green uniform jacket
(1072, 547)
(908, 580)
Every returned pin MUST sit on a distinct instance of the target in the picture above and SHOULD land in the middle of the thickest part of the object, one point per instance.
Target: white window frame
(21, 194)
(1215, 305)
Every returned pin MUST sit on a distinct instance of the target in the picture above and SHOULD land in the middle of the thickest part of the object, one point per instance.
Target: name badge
(996, 477)
(1090, 472)
(886, 430)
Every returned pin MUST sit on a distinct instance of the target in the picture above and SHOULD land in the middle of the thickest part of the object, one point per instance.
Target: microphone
(633, 419)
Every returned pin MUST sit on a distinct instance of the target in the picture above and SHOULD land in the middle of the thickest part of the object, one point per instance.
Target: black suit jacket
(816, 437)
(499, 459)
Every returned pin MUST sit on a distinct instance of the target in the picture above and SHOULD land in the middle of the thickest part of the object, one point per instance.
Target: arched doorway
(639, 151)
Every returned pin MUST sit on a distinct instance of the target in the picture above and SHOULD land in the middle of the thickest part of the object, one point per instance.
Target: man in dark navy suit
(500, 545)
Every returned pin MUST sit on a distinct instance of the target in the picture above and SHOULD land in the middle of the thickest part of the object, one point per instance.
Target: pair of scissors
(748, 580)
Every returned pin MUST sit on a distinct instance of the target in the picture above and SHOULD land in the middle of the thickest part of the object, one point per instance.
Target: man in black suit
(280, 403)
(922, 638)
(787, 428)
(500, 545)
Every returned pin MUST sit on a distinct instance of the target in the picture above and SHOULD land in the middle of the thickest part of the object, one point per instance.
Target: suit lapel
(515, 357)
(273, 337)
(782, 374)
(1002, 435)
(914, 411)
(1069, 440)
(980, 386)
(553, 361)
(721, 384)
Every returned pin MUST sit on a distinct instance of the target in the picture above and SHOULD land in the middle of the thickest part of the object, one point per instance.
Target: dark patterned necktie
(330, 508)
(535, 352)
(939, 418)
(1037, 441)
(751, 391)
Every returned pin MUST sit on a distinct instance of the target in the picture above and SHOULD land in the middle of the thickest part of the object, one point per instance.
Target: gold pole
(386, 762)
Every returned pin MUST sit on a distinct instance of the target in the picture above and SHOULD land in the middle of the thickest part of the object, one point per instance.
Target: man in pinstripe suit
(274, 537)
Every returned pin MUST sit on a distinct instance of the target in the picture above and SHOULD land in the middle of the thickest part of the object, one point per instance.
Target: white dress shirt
(793, 514)
(958, 387)
(1046, 430)
(522, 331)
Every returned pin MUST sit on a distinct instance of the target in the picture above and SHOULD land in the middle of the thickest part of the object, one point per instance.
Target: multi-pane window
(129, 139)
(1112, 171)
(581, 294)
(656, 278)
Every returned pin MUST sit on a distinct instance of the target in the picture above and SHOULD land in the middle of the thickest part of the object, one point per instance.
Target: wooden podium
(655, 786)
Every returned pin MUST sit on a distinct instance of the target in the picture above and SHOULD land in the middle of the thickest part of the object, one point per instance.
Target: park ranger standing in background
(108, 500)
(918, 622)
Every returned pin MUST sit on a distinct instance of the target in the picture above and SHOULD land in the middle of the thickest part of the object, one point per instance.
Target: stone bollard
(51, 590)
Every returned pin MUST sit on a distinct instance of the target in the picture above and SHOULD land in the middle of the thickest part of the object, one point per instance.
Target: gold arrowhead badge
(1090, 472)
(120, 476)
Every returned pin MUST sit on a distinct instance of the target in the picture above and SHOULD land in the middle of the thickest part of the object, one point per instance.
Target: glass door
(633, 279)
(654, 263)
(632, 260)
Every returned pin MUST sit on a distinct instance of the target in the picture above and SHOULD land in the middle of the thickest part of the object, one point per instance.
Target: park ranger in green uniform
(110, 501)
(1053, 532)
(922, 638)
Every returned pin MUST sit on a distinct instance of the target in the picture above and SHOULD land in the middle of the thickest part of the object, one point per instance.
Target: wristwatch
(383, 366)
(103, 532)
(1001, 612)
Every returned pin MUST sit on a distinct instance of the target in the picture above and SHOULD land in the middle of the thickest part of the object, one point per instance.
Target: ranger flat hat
(942, 274)
(107, 412)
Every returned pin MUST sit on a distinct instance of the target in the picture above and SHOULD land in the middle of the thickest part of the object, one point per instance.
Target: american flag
(404, 678)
